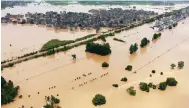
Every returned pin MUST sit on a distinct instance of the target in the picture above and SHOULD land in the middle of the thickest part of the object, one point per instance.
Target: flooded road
(38, 75)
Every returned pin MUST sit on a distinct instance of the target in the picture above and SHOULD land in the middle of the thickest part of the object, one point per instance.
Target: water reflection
(132, 56)
(97, 58)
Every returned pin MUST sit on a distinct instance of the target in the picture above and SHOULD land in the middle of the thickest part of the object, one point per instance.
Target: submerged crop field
(110, 58)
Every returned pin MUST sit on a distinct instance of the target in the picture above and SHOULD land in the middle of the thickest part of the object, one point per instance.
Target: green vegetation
(173, 66)
(105, 64)
(116, 39)
(124, 79)
(155, 36)
(129, 67)
(101, 49)
(180, 64)
(144, 42)
(29, 54)
(162, 86)
(171, 81)
(133, 48)
(150, 85)
(99, 100)
(144, 86)
(8, 91)
(53, 101)
(131, 91)
(115, 85)
(53, 44)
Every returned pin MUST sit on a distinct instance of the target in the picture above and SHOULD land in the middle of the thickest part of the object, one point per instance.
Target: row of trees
(8, 91)
(101, 49)
(169, 82)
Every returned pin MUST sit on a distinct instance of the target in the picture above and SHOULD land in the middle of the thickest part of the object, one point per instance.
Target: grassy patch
(54, 43)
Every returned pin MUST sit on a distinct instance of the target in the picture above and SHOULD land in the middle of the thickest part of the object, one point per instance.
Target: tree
(8, 91)
(99, 100)
(180, 64)
(173, 66)
(101, 49)
(131, 91)
(129, 67)
(156, 35)
(105, 64)
(153, 71)
(73, 56)
(124, 79)
(133, 48)
(115, 85)
(162, 86)
(144, 86)
(144, 42)
(171, 81)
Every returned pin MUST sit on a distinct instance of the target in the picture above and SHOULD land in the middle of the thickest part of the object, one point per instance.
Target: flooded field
(59, 70)
(27, 38)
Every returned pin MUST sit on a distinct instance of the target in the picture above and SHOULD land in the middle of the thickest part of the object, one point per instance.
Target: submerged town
(91, 54)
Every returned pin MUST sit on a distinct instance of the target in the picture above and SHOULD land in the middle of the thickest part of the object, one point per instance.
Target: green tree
(144, 86)
(144, 42)
(133, 48)
(129, 67)
(8, 91)
(162, 86)
(131, 91)
(96, 48)
(173, 66)
(99, 100)
(124, 79)
(115, 85)
(171, 81)
(105, 64)
(180, 64)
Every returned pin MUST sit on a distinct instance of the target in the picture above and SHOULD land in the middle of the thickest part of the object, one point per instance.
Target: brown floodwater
(28, 38)
(38, 75)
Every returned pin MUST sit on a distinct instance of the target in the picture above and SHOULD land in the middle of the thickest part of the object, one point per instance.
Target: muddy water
(44, 7)
(60, 70)
(27, 38)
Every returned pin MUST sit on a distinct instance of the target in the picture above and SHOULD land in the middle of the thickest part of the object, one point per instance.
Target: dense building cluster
(116, 17)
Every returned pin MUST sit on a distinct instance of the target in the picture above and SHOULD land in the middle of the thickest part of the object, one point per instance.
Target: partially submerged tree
(173, 66)
(162, 86)
(129, 67)
(131, 91)
(115, 85)
(105, 64)
(124, 79)
(74, 56)
(133, 48)
(180, 64)
(99, 100)
(171, 81)
(144, 42)
(8, 91)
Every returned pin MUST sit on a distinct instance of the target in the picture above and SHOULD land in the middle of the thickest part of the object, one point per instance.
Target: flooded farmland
(59, 70)
(56, 74)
